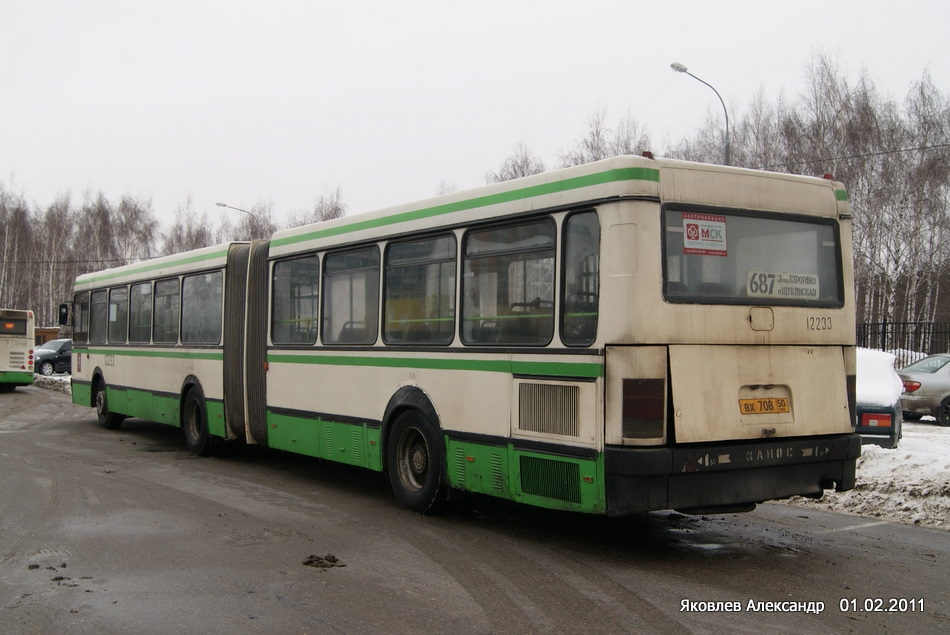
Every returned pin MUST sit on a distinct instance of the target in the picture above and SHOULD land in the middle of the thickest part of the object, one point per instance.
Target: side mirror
(63, 314)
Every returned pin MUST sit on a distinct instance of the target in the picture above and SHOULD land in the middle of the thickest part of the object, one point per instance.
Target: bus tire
(416, 463)
(108, 420)
(194, 423)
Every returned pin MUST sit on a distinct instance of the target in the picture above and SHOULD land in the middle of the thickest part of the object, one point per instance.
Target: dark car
(54, 356)
(927, 388)
(879, 388)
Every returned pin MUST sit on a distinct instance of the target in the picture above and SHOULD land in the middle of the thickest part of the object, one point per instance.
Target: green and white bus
(16, 348)
(629, 335)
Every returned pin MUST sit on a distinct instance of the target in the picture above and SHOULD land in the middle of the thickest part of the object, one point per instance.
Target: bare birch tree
(521, 162)
(189, 231)
(330, 205)
(601, 142)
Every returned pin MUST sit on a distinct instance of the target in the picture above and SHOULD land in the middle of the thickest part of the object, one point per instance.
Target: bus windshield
(725, 258)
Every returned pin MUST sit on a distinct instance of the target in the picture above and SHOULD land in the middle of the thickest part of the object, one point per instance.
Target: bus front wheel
(108, 420)
(416, 462)
(194, 422)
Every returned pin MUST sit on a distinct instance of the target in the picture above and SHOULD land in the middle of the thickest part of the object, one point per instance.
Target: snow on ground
(910, 484)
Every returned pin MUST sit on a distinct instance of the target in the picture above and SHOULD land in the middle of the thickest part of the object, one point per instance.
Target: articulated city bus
(16, 348)
(629, 335)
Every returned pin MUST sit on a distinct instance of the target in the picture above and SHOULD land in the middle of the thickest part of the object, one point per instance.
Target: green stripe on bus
(553, 369)
(150, 266)
(609, 176)
(125, 352)
(841, 195)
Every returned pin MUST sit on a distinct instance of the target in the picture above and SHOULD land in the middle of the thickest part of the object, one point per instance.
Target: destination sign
(781, 285)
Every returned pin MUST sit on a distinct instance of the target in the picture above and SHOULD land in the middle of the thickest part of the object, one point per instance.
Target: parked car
(927, 389)
(55, 356)
(879, 418)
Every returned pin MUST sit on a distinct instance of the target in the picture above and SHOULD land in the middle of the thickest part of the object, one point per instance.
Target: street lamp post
(237, 209)
(679, 68)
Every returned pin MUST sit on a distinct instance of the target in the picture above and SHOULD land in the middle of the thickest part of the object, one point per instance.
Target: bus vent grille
(546, 408)
(461, 467)
(356, 444)
(497, 472)
(552, 479)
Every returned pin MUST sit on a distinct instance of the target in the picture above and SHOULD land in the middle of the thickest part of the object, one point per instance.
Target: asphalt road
(123, 532)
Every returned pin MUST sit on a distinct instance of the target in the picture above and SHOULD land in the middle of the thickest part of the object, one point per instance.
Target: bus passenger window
(140, 313)
(508, 284)
(81, 317)
(581, 294)
(167, 304)
(98, 317)
(351, 296)
(118, 315)
(201, 302)
(420, 292)
(296, 294)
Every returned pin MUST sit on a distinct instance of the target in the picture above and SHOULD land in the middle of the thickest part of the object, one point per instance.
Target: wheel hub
(418, 459)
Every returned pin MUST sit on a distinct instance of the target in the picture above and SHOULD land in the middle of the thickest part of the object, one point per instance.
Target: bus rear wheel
(108, 420)
(194, 422)
(416, 463)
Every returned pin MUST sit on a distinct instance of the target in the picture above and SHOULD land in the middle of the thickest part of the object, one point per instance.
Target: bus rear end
(731, 379)
(16, 348)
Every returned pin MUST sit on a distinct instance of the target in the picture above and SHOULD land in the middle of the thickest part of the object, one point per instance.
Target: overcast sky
(276, 102)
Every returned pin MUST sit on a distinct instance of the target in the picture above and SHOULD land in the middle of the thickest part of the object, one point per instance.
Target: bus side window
(118, 315)
(140, 313)
(419, 305)
(202, 301)
(98, 317)
(508, 284)
(81, 317)
(295, 306)
(581, 293)
(165, 317)
(351, 296)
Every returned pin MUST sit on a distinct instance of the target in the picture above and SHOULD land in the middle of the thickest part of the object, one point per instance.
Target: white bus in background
(16, 348)
(629, 335)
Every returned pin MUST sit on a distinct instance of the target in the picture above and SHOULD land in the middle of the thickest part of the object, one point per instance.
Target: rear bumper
(16, 378)
(708, 475)
(920, 404)
(887, 436)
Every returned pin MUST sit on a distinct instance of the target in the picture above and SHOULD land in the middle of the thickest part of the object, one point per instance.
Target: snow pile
(908, 485)
(59, 383)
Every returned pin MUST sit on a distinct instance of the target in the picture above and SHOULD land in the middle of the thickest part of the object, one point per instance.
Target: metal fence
(905, 338)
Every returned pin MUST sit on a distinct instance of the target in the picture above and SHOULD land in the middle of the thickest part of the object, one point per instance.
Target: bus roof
(667, 180)
(213, 256)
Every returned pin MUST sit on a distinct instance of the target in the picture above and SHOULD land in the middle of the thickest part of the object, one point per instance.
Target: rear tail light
(911, 386)
(644, 404)
(875, 420)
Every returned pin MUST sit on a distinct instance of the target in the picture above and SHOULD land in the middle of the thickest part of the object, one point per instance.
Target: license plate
(766, 406)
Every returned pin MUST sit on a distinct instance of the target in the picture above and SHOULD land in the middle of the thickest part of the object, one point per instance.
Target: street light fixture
(237, 209)
(679, 68)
